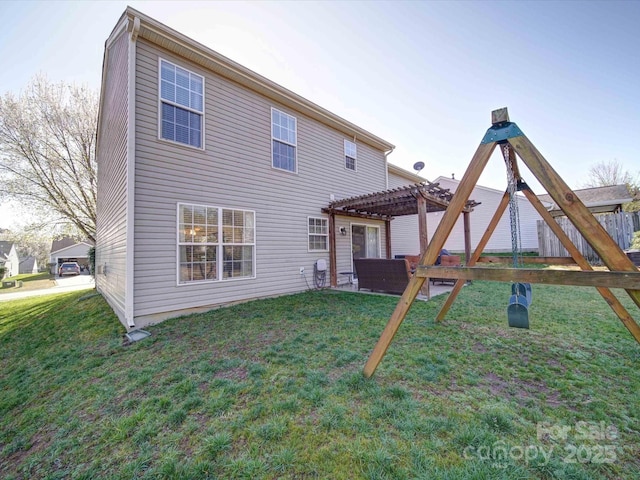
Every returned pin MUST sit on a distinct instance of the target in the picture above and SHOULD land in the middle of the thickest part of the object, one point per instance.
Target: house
(405, 242)
(215, 183)
(29, 265)
(9, 258)
(608, 199)
(68, 249)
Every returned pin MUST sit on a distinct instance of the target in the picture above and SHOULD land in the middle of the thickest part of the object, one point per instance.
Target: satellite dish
(418, 166)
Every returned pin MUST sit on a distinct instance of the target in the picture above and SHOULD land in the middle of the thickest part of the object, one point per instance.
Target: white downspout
(386, 165)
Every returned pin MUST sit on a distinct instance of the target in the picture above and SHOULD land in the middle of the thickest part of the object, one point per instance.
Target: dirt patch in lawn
(521, 389)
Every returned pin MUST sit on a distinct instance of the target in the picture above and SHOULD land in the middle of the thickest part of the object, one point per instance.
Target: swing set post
(582, 262)
(594, 233)
(502, 206)
(429, 257)
(623, 273)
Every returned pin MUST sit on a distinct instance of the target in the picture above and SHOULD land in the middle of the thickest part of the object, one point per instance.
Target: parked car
(69, 268)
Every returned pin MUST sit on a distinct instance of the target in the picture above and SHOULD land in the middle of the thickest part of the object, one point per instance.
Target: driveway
(63, 285)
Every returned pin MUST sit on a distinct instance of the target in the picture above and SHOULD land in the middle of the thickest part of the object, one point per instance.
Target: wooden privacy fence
(619, 225)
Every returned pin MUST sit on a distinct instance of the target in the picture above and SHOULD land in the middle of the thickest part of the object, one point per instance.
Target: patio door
(365, 241)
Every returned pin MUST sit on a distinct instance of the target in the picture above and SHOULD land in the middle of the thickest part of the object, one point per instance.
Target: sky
(423, 75)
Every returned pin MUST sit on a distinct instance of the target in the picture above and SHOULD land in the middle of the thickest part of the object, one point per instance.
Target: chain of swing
(514, 214)
(518, 308)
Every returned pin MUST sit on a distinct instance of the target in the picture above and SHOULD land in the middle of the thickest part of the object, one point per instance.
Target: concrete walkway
(63, 285)
(434, 290)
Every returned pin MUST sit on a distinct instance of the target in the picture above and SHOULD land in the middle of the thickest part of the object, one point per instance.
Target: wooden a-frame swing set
(622, 272)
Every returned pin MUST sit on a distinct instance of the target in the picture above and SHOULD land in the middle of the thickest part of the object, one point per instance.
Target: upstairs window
(350, 155)
(182, 105)
(318, 234)
(284, 140)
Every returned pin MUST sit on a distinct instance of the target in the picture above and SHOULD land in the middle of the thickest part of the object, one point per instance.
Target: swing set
(622, 272)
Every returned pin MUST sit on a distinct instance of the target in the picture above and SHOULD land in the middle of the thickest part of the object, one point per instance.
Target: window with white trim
(318, 230)
(181, 105)
(215, 243)
(350, 155)
(284, 140)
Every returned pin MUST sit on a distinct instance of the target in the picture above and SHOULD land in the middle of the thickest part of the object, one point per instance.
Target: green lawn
(273, 389)
(30, 281)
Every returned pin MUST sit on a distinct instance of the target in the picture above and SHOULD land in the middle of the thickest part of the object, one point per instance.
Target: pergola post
(467, 237)
(387, 235)
(424, 239)
(333, 271)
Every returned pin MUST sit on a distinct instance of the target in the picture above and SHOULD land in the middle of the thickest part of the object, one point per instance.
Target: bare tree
(47, 152)
(30, 241)
(613, 173)
(604, 174)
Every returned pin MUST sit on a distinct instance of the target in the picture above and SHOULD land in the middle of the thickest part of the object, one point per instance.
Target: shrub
(92, 260)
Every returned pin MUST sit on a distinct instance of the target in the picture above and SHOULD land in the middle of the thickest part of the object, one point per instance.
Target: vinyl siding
(112, 179)
(234, 171)
(481, 216)
(404, 230)
(405, 237)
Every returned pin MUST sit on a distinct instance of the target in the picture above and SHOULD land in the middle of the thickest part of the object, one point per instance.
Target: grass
(273, 389)
(30, 281)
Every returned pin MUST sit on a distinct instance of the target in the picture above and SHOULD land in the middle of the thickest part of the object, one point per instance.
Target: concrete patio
(434, 290)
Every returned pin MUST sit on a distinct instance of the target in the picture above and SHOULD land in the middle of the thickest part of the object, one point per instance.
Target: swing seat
(518, 311)
(523, 289)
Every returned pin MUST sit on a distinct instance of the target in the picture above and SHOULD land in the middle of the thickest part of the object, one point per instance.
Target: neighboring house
(9, 258)
(29, 265)
(404, 240)
(67, 249)
(500, 241)
(607, 199)
(212, 180)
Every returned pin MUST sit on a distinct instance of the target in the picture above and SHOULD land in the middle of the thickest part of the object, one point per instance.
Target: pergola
(417, 199)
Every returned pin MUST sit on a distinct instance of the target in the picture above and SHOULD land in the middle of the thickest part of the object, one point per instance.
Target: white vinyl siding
(481, 216)
(318, 234)
(215, 243)
(350, 155)
(236, 174)
(284, 140)
(405, 239)
(181, 105)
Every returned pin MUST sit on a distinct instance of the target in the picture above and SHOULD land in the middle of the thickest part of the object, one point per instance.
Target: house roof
(397, 202)
(28, 262)
(5, 248)
(598, 196)
(66, 242)
(183, 46)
